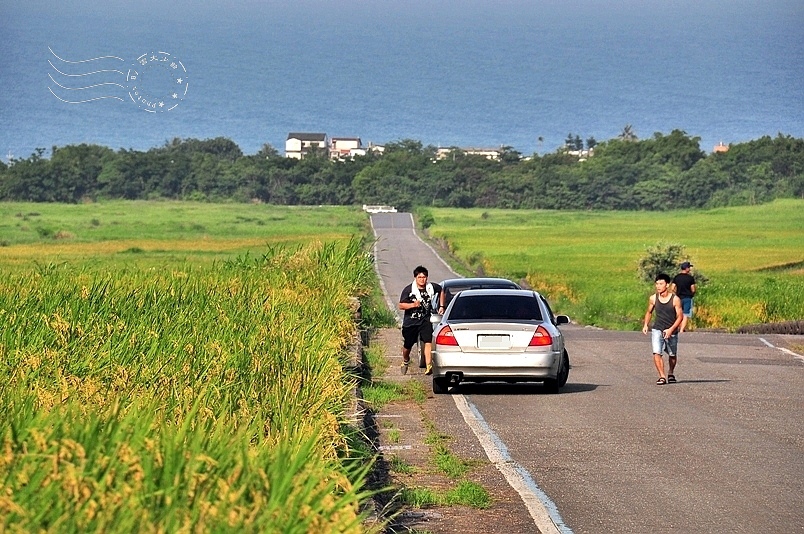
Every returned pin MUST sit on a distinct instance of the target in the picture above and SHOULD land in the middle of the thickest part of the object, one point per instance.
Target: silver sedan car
(499, 335)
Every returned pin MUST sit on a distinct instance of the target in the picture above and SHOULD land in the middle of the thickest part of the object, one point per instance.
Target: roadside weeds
(427, 488)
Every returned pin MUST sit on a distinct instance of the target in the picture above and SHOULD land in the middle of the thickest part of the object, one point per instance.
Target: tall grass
(197, 398)
(586, 262)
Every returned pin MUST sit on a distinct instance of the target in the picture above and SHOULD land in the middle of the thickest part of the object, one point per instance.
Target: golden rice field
(165, 384)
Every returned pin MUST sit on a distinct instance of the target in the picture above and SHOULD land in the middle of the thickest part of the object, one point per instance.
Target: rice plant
(189, 398)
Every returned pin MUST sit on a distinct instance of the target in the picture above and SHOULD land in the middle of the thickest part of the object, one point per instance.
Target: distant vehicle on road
(499, 335)
(368, 208)
(453, 286)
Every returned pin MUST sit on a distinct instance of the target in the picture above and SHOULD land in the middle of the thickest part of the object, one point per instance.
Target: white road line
(395, 447)
(543, 511)
(795, 355)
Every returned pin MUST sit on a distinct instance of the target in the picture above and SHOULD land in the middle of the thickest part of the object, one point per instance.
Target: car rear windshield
(451, 291)
(496, 308)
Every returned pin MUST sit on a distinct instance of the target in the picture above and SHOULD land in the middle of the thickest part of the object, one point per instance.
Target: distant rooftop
(307, 136)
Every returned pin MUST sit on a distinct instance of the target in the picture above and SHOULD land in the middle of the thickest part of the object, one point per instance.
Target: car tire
(563, 376)
(440, 385)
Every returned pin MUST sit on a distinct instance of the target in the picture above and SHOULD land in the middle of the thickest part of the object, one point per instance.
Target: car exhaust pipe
(454, 378)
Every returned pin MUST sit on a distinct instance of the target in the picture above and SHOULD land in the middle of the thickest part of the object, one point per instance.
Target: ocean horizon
(468, 74)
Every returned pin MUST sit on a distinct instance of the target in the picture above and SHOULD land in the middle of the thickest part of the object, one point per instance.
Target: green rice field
(161, 232)
(586, 262)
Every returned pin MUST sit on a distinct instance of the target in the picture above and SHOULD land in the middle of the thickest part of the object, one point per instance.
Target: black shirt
(684, 283)
(419, 315)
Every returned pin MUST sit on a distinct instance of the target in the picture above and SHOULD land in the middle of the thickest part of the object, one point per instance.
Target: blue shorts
(660, 345)
(686, 306)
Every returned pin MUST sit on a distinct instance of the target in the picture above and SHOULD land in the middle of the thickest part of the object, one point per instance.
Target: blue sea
(448, 73)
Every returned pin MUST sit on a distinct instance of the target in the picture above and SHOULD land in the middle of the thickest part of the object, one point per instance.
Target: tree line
(659, 173)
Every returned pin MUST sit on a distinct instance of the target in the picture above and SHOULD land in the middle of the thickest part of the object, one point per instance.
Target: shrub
(660, 258)
(426, 220)
(44, 232)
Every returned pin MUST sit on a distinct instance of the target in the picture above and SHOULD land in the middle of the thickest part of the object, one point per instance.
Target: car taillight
(446, 337)
(541, 338)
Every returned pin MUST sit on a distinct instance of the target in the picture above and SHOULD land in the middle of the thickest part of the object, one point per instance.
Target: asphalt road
(720, 451)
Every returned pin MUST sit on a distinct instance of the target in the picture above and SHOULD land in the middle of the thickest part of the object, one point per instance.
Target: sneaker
(404, 367)
(428, 370)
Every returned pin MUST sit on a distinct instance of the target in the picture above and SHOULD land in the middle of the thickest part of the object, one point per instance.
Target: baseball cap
(686, 265)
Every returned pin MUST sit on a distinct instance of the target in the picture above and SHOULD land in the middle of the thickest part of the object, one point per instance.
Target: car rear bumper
(536, 366)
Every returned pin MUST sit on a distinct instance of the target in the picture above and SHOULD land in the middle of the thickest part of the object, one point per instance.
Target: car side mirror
(563, 319)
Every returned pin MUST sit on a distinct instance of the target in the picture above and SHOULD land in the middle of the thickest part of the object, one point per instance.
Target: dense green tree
(508, 155)
(116, 177)
(267, 151)
(279, 187)
(220, 147)
(677, 149)
(662, 172)
(28, 179)
(411, 147)
(695, 187)
(75, 170)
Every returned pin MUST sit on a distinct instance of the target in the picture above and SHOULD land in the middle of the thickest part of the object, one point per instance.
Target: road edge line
(541, 508)
(437, 255)
(795, 355)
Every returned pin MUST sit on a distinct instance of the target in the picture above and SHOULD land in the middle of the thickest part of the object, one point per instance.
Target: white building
(299, 144)
(488, 153)
(346, 147)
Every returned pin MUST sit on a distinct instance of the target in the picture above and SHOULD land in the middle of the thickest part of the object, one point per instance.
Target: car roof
(498, 292)
(476, 281)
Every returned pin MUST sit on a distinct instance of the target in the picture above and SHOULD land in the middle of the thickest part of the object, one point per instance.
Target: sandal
(662, 381)
(671, 379)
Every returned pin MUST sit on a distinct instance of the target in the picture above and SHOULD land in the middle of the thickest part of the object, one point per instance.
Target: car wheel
(440, 385)
(565, 368)
(551, 386)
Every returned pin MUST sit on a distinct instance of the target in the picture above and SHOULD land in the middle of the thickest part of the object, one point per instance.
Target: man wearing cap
(684, 286)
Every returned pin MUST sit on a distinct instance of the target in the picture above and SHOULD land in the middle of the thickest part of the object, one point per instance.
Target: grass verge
(465, 493)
